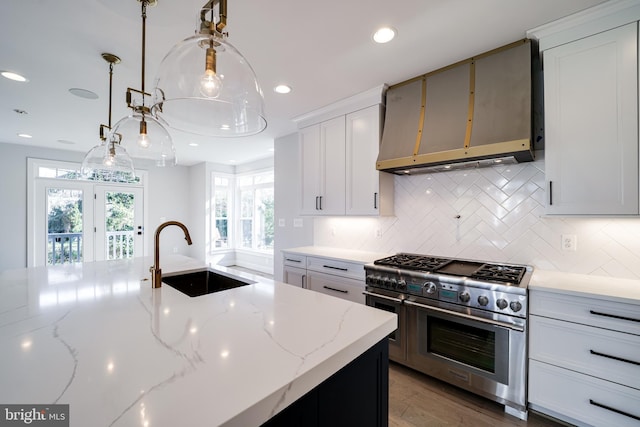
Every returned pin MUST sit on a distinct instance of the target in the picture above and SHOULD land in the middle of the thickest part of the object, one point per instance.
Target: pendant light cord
(110, 90)
(144, 42)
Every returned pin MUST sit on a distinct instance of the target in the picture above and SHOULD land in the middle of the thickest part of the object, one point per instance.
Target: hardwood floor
(417, 400)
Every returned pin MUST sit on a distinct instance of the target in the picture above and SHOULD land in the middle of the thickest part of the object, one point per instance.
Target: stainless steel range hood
(474, 113)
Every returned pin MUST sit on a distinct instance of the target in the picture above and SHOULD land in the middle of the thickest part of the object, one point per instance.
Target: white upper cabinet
(368, 191)
(591, 124)
(322, 150)
(338, 151)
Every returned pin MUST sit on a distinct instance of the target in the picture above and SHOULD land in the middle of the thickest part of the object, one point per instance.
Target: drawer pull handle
(617, 411)
(337, 290)
(614, 316)
(336, 268)
(596, 353)
(292, 260)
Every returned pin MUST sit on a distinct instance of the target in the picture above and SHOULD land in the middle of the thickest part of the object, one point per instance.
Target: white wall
(168, 199)
(287, 201)
(501, 219)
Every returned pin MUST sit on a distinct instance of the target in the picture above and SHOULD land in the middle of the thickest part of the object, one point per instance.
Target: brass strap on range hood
(423, 105)
(472, 98)
(459, 121)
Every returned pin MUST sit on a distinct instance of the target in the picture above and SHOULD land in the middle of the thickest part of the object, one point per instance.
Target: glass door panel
(64, 223)
(119, 231)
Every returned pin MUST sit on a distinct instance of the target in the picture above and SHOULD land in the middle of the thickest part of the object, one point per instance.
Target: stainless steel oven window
(477, 346)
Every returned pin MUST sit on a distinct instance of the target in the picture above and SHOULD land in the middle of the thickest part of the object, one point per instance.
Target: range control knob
(464, 296)
(515, 306)
(483, 300)
(393, 283)
(402, 285)
(430, 288)
(502, 304)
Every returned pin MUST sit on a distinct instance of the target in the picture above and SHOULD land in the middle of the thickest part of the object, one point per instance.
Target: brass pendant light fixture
(205, 86)
(143, 135)
(108, 161)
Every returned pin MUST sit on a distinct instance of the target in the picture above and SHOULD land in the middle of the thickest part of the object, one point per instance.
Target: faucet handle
(152, 268)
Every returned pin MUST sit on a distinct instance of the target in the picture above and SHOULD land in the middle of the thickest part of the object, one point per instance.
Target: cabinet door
(295, 276)
(310, 169)
(362, 145)
(332, 187)
(591, 121)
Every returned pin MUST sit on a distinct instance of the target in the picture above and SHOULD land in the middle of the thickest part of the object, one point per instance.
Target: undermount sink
(202, 282)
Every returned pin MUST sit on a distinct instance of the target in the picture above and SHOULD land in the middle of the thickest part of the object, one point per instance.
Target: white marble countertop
(600, 287)
(123, 354)
(349, 255)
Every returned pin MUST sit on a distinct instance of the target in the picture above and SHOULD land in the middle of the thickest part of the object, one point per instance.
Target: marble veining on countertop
(349, 255)
(600, 287)
(120, 353)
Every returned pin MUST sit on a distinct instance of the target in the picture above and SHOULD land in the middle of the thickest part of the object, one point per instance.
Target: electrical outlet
(281, 222)
(175, 249)
(569, 242)
(377, 233)
(297, 222)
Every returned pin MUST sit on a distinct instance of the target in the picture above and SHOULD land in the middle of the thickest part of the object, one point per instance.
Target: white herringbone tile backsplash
(491, 214)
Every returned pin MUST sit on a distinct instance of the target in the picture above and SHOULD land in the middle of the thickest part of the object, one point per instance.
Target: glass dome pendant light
(205, 86)
(108, 161)
(143, 135)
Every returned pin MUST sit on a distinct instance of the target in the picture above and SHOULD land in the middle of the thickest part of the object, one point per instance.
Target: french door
(78, 221)
(118, 222)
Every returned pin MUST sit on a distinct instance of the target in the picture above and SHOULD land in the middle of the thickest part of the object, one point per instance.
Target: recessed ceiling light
(65, 141)
(384, 35)
(13, 76)
(19, 111)
(282, 89)
(272, 149)
(232, 161)
(225, 127)
(83, 93)
(25, 135)
(193, 144)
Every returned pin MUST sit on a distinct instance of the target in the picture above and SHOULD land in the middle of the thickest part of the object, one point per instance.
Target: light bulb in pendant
(108, 160)
(210, 82)
(143, 138)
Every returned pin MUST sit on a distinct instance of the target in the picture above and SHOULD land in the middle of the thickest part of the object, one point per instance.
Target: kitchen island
(96, 336)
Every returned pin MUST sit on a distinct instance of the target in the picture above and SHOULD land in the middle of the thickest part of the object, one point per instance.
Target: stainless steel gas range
(459, 320)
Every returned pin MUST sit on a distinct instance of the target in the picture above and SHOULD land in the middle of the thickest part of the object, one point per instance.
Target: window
(222, 203)
(255, 193)
(243, 211)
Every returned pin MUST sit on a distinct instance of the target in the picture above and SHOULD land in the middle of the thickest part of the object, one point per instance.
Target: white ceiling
(322, 49)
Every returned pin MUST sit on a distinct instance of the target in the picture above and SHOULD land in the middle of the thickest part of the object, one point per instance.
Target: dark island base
(356, 395)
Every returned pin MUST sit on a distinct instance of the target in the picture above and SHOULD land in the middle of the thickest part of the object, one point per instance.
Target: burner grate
(413, 262)
(500, 273)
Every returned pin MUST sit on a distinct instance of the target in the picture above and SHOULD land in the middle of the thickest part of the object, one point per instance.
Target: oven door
(486, 356)
(397, 338)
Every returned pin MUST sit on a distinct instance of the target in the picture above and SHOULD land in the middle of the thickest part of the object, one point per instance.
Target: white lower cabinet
(582, 399)
(339, 278)
(584, 359)
(337, 286)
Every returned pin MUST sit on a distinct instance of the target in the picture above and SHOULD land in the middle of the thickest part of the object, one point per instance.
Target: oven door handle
(466, 316)
(396, 300)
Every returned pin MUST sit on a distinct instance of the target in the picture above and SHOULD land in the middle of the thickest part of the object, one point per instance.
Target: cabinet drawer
(588, 311)
(336, 286)
(605, 354)
(294, 260)
(576, 397)
(352, 270)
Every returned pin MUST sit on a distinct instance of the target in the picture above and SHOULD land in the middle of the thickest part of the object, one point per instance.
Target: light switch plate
(281, 222)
